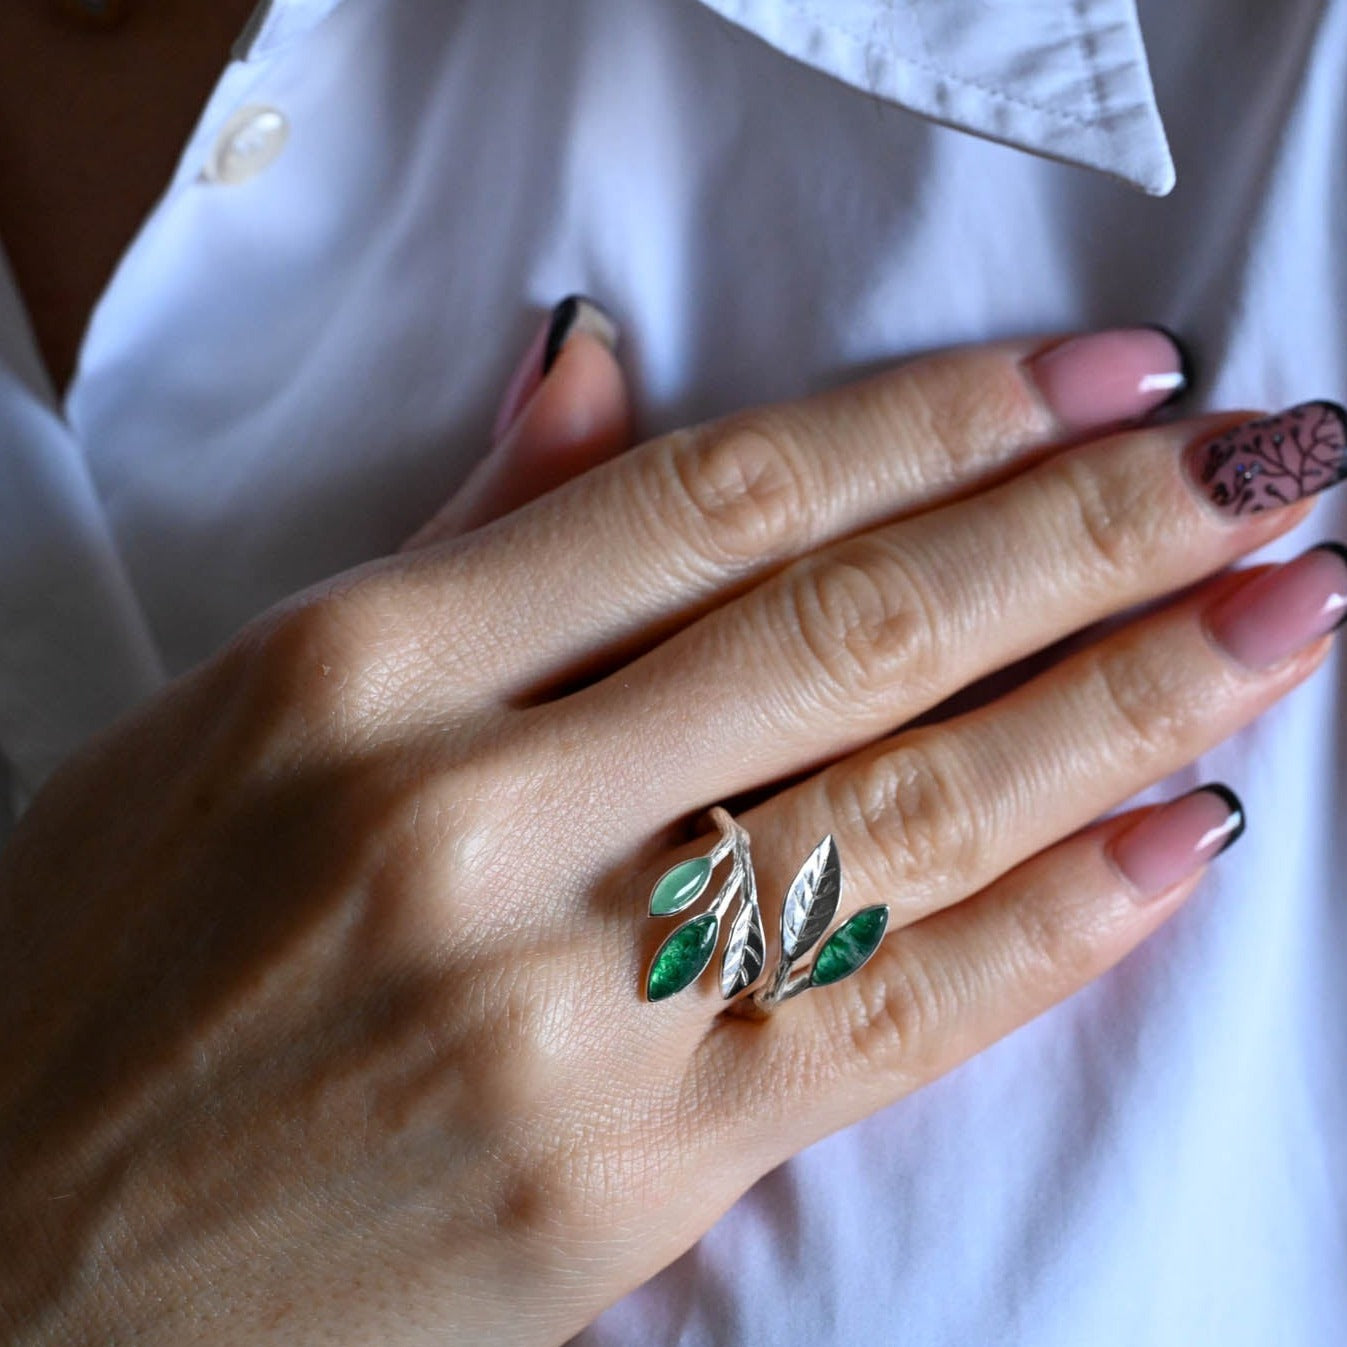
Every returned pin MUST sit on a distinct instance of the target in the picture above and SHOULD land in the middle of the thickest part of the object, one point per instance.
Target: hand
(320, 1016)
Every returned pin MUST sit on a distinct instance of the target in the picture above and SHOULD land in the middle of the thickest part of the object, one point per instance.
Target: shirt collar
(1067, 79)
(276, 22)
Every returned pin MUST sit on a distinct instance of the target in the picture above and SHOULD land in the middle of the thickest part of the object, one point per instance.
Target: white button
(251, 139)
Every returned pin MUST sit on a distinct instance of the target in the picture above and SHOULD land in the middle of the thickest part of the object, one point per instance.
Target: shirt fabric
(293, 367)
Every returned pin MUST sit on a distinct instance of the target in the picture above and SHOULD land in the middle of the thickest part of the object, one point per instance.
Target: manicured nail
(1109, 376)
(1187, 371)
(1273, 461)
(1281, 611)
(575, 313)
(1178, 839)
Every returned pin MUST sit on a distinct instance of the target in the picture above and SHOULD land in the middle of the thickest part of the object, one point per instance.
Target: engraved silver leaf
(745, 951)
(811, 900)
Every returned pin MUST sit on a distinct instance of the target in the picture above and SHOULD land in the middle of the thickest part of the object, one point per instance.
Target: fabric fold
(75, 650)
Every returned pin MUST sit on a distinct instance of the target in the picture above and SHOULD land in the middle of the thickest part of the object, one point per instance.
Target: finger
(857, 639)
(936, 993)
(565, 410)
(932, 815)
(929, 816)
(607, 564)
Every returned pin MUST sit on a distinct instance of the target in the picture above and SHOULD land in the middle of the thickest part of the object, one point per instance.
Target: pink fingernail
(575, 313)
(1178, 839)
(1283, 610)
(1273, 461)
(1110, 376)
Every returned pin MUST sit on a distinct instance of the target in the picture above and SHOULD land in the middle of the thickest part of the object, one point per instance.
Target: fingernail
(1110, 376)
(575, 313)
(1178, 839)
(1281, 611)
(1273, 461)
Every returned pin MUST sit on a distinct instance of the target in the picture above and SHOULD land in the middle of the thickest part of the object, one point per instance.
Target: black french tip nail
(563, 319)
(1187, 369)
(1236, 807)
(572, 311)
(1340, 552)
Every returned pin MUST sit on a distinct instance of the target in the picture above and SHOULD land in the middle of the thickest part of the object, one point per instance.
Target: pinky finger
(944, 988)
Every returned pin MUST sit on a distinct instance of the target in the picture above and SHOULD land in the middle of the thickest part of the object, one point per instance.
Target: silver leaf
(811, 900)
(745, 951)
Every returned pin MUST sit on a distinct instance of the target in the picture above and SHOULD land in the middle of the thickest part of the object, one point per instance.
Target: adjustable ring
(809, 907)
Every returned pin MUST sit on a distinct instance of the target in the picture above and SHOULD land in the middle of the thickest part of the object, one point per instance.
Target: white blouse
(300, 354)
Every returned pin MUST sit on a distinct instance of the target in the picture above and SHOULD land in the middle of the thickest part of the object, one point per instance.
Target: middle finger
(849, 643)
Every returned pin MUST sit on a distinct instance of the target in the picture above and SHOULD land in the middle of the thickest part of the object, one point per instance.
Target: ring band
(808, 910)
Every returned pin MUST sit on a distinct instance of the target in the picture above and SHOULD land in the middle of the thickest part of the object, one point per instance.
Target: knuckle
(957, 405)
(909, 812)
(861, 621)
(744, 485)
(897, 1012)
(1107, 515)
(1055, 942)
(324, 667)
(1145, 699)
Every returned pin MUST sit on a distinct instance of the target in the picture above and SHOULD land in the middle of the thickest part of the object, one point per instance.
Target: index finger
(614, 560)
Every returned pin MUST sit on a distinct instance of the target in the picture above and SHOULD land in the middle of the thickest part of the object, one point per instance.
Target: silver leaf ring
(808, 910)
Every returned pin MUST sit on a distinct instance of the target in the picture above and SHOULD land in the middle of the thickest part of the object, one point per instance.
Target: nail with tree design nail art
(1273, 461)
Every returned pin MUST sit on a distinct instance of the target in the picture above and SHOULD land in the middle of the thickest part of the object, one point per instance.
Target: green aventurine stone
(849, 946)
(682, 957)
(678, 887)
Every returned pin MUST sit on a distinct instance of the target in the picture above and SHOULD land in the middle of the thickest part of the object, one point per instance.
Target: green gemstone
(849, 946)
(678, 887)
(682, 957)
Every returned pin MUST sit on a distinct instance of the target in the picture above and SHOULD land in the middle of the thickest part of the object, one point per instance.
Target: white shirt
(300, 354)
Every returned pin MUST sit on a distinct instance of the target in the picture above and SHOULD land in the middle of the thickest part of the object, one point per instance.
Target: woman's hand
(320, 978)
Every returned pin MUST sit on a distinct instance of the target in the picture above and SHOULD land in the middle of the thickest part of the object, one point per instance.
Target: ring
(808, 910)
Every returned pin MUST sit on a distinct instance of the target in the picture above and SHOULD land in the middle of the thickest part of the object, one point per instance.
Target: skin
(357, 1050)
(91, 125)
(319, 1008)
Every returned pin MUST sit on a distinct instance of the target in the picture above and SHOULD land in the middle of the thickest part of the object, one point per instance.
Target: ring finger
(926, 819)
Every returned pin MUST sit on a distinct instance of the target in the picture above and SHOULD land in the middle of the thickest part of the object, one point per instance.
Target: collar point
(1159, 182)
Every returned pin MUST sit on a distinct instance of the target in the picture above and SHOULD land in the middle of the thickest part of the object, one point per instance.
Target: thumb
(565, 409)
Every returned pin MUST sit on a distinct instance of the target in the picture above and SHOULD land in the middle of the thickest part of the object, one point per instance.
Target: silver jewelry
(809, 907)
